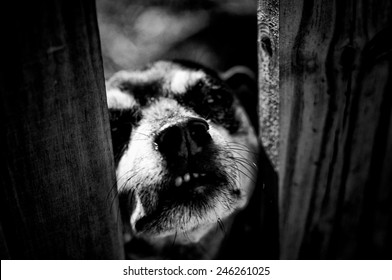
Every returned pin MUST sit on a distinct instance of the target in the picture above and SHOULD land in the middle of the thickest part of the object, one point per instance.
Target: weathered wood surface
(268, 55)
(57, 168)
(336, 129)
(268, 60)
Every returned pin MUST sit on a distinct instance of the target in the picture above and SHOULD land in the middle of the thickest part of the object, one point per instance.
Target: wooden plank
(267, 191)
(335, 84)
(268, 56)
(57, 176)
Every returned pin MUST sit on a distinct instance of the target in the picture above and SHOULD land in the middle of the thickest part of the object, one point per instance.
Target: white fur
(140, 155)
(119, 100)
(182, 79)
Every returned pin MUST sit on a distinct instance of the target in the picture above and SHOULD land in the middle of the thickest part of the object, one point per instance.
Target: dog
(185, 152)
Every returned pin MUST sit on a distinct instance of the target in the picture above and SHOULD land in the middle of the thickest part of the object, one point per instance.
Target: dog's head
(184, 149)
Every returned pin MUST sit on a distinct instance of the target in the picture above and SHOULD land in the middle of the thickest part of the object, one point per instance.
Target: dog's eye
(210, 100)
(219, 99)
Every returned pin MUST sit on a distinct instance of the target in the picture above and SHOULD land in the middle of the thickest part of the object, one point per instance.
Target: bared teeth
(178, 181)
(187, 177)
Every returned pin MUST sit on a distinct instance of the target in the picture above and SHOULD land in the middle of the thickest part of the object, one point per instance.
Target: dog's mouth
(185, 203)
(183, 189)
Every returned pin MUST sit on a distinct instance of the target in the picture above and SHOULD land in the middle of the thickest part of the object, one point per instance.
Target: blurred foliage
(218, 34)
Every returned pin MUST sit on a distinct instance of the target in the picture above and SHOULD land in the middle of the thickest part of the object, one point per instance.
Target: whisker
(221, 226)
(246, 161)
(113, 187)
(240, 171)
(123, 185)
(241, 149)
(174, 240)
(118, 215)
(251, 174)
(186, 235)
(245, 164)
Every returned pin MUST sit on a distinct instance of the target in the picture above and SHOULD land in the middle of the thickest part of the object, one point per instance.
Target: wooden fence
(335, 143)
(57, 174)
(325, 110)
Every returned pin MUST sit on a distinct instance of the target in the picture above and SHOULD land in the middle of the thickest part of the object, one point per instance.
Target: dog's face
(184, 150)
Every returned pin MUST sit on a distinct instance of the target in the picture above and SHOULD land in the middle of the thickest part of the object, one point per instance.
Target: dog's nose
(183, 139)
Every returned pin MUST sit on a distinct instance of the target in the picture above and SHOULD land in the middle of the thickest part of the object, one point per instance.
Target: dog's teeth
(178, 181)
(187, 177)
(195, 175)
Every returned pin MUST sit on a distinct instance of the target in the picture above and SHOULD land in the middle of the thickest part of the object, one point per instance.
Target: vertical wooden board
(359, 90)
(268, 60)
(334, 86)
(376, 227)
(291, 11)
(303, 110)
(370, 118)
(57, 177)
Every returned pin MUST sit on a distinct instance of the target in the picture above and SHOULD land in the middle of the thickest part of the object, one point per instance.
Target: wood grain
(268, 56)
(57, 176)
(335, 154)
(268, 111)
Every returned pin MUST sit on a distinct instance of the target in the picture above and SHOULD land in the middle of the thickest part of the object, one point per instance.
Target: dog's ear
(243, 82)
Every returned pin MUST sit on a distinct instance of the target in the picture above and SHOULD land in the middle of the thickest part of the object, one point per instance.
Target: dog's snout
(183, 139)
